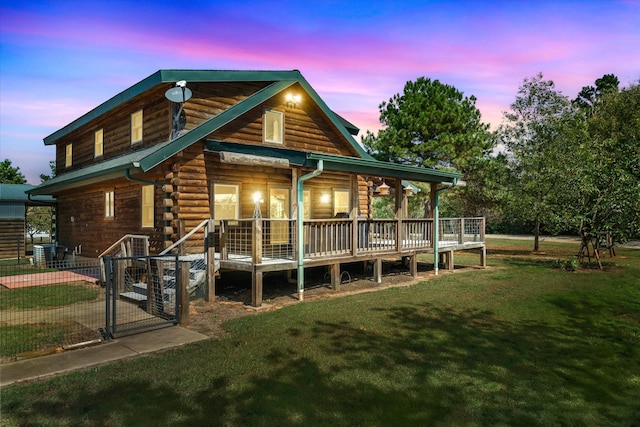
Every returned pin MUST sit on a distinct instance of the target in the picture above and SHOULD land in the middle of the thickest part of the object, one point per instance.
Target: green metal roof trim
(18, 193)
(112, 168)
(340, 163)
(172, 76)
(213, 124)
(391, 170)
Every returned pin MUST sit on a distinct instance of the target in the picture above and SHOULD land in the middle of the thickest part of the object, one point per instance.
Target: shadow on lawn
(419, 365)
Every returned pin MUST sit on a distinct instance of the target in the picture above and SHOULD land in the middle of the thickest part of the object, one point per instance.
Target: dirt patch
(234, 291)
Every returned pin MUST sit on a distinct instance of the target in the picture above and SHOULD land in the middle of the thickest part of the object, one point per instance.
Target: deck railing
(257, 240)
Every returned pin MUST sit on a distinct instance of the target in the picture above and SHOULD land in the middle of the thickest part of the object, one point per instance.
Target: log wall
(10, 231)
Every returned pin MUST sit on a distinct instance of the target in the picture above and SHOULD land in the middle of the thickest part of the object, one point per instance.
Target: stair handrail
(122, 239)
(185, 237)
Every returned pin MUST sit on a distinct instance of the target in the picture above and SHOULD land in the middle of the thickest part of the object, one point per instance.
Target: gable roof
(145, 159)
(201, 76)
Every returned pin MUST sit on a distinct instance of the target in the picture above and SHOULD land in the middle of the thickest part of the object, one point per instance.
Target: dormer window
(273, 127)
(136, 127)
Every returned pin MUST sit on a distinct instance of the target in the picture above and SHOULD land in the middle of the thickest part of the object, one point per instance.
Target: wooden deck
(264, 245)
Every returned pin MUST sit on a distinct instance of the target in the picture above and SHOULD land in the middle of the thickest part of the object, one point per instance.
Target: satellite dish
(178, 94)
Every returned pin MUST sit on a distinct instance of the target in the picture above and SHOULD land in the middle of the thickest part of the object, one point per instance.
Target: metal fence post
(108, 285)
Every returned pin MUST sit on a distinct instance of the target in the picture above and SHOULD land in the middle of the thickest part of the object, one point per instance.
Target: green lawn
(521, 343)
(15, 339)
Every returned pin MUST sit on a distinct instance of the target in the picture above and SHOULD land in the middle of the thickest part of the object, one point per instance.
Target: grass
(16, 339)
(521, 343)
(10, 267)
(45, 296)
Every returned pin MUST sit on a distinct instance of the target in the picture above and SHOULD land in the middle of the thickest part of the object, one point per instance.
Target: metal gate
(141, 293)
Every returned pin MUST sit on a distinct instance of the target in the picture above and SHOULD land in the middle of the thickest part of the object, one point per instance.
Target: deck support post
(335, 276)
(413, 264)
(448, 263)
(256, 288)
(377, 270)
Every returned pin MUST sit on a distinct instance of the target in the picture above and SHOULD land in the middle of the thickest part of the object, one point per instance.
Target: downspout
(300, 224)
(436, 225)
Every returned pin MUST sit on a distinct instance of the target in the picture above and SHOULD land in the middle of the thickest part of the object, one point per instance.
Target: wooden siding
(117, 131)
(89, 226)
(192, 171)
(10, 231)
(305, 128)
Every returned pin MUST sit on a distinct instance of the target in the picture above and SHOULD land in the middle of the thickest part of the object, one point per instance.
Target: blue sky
(59, 59)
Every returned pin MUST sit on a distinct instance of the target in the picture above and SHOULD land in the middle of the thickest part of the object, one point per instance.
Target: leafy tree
(610, 200)
(39, 220)
(541, 134)
(588, 96)
(10, 174)
(44, 177)
(432, 125)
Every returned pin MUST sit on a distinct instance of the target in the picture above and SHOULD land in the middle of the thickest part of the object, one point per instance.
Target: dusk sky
(60, 59)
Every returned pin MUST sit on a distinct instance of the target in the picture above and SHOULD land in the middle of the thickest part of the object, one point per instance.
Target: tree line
(554, 165)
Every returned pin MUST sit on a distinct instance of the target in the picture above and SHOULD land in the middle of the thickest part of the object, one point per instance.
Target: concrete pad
(109, 351)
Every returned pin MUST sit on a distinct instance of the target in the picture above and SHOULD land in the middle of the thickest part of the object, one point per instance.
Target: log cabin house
(251, 163)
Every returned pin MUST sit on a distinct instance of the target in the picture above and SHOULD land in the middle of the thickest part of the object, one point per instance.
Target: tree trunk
(536, 235)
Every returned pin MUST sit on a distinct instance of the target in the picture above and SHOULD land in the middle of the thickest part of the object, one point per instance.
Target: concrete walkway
(109, 351)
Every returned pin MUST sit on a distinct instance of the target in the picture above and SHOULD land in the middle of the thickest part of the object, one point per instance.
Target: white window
(148, 193)
(136, 127)
(98, 138)
(109, 205)
(340, 202)
(273, 127)
(226, 201)
(68, 156)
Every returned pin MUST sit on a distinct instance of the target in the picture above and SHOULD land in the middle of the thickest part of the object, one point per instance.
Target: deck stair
(137, 291)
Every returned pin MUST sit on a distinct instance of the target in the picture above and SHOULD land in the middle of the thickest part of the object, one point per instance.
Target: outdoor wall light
(292, 99)
(257, 199)
(325, 199)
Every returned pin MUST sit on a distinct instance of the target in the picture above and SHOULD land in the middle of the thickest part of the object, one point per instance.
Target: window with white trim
(273, 127)
(226, 203)
(136, 127)
(68, 155)
(109, 204)
(340, 202)
(148, 196)
(98, 139)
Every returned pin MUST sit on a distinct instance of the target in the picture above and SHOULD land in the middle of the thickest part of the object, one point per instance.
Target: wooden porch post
(211, 263)
(256, 276)
(183, 314)
(355, 211)
(432, 202)
(399, 214)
